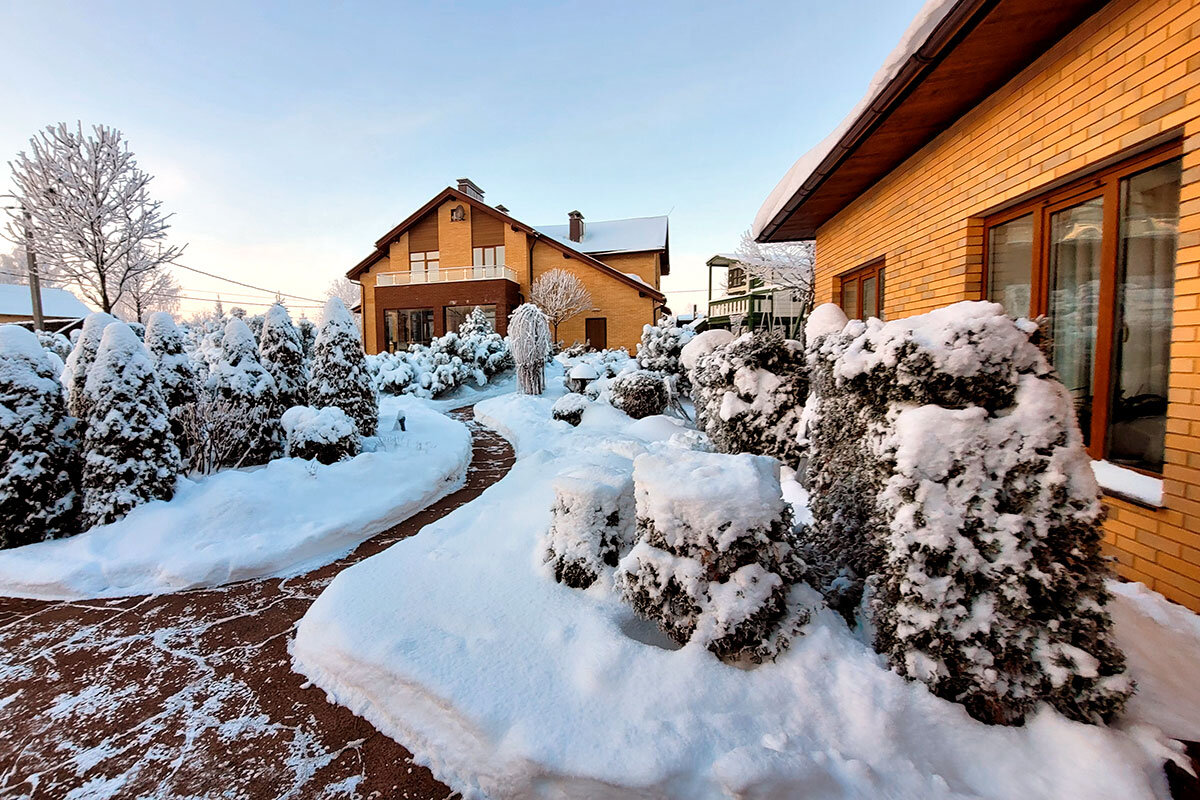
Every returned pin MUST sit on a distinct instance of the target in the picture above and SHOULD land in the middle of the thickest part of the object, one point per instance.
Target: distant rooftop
(614, 236)
(56, 303)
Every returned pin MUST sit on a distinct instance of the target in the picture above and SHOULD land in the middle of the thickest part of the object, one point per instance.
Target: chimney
(468, 187)
(501, 209)
(575, 226)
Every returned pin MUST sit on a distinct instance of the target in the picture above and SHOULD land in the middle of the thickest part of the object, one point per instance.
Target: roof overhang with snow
(955, 54)
(16, 301)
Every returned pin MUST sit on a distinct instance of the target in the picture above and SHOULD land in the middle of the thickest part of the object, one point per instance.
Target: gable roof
(636, 235)
(381, 245)
(953, 55)
(56, 303)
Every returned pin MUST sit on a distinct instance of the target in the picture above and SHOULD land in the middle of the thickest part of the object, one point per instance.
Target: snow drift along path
(459, 645)
(284, 518)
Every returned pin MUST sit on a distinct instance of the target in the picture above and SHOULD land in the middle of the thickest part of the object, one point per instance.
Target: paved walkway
(191, 695)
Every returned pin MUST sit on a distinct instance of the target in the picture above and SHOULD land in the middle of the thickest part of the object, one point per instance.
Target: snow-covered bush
(325, 434)
(129, 455)
(448, 362)
(281, 351)
(529, 343)
(339, 370)
(750, 394)
(38, 445)
(241, 379)
(570, 407)
(173, 366)
(592, 523)
(701, 345)
(714, 555)
(308, 336)
(953, 495)
(639, 394)
(659, 351)
(79, 362)
(55, 343)
(475, 324)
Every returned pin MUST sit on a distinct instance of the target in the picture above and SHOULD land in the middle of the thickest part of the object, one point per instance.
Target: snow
(927, 19)
(15, 300)
(614, 236)
(1129, 483)
(507, 684)
(701, 345)
(284, 518)
(824, 319)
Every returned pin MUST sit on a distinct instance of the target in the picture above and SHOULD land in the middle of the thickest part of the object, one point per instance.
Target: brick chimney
(575, 226)
(468, 187)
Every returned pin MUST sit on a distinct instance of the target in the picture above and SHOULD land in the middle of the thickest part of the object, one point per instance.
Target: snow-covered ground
(284, 518)
(459, 644)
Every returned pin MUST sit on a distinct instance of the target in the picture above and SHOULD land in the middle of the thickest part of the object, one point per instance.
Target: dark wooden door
(596, 331)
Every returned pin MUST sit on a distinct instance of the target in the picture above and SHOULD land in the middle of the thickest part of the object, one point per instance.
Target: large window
(861, 291)
(488, 256)
(1098, 259)
(406, 326)
(423, 263)
(455, 315)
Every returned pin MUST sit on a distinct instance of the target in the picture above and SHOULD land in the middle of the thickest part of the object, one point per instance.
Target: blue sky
(287, 137)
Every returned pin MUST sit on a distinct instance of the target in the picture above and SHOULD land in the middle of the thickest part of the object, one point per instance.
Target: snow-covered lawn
(459, 644)
(284, 518)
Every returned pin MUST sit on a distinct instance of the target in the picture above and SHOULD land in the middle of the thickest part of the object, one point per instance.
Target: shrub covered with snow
(448, 362)
(55, 343)
(592, 523)
(714, 555)
(79, 362)
(130, 456)
(38, 445)
(529, 343)
(570, 407)
(639, 394)
(750, 394)
(324, 434)
(240, 379)
(173, 366)
(659, 351)
(950, 481)
(339, 370)
(281, 351)
(701, 345)
(476, 324)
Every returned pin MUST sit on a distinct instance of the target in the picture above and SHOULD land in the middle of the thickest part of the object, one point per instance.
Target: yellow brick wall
(644, 265)
(1126, 75)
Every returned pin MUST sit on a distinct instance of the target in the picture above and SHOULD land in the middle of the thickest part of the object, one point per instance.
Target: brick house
(1045, 156)
(456, 252)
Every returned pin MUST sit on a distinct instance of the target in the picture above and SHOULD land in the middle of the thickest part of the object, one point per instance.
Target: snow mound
(701, 345)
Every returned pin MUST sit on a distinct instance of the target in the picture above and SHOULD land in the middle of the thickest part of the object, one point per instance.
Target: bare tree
(147, 292)
(13, 267)
(561, 295)
(90, 210)
(214, 431)
(788, 265)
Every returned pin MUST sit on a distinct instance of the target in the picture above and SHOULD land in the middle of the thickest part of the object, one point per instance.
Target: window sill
(1127, 484)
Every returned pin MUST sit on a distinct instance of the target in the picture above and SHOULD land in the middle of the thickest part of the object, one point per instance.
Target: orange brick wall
(1126, 75)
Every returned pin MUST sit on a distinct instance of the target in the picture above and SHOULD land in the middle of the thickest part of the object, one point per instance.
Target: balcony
(446, 275)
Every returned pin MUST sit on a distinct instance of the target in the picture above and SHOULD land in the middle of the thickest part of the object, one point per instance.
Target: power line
(182, 296)
(240, 283)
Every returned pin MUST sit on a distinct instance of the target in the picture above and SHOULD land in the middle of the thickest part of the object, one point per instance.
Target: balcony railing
(446, 275)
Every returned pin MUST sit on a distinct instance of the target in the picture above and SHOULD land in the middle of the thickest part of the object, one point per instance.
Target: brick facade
(1128, 76)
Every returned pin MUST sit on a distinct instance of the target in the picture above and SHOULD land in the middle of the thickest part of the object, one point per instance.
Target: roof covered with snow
(614, 236)
(15, 301)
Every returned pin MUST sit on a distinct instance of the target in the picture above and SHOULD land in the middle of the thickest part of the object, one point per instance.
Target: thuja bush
(639, 393)
(954, 507)
(592, 523)
(570, 407)
(659, 351)
(327, 435)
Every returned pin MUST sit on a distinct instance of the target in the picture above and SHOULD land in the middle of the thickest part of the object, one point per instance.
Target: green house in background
(743, 303)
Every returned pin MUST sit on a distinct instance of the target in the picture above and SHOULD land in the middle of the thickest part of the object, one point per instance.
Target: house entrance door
(596, 331)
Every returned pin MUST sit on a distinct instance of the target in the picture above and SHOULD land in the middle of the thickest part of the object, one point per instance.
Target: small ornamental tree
(80, 362)
(639, 394)
(38, 445)
(240, 378)
(561, 295)
(282, 352)
(130, 456)
(659, 350)
(529, 343)
(173, 366)
(308, 336)
(339, 370)
(476, 324)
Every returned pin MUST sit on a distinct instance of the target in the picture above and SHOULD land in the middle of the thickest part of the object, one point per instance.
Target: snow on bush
(325, 434)
(750, 394)
(714, 556)
(639, 394)
(529, 343)
(570, 407)
(243, 382)
(701, 345)
(953, 497)
(38, 444)
(79, 362)
(55, 343)
(129, 455)
(281, 351)
(592, 523)
(476, 324)
(173, 366)
(448, 362)
(339, 370)
(659, 351)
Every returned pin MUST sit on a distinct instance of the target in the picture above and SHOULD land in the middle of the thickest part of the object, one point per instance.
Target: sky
(287, 137)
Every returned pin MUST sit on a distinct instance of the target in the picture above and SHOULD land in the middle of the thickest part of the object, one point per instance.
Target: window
(862, 291)
(1097, 257)
(736, 279)
(421, 263)
(406, 326)
(488, 256)
(456, 314)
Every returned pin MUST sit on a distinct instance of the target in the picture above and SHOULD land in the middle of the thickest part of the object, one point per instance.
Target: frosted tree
(529, 343)
(787, 265)
(74, 377)
(476, 324)
(339, 370)
(37, 445)
(90, 209)
(241, 379)
(147, 292)
(130, 456)
(173, 366)
(282, 352)
(308, 336)
(561, 295)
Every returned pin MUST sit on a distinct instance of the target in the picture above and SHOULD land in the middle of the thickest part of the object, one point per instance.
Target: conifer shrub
(639, 393)
(339, 375)
(570, 407)
(659, 350)
(79, 362)
(240, 379)
(281, 351)
(326, 435)
(592, 524)
(55, 343)
(174, 367)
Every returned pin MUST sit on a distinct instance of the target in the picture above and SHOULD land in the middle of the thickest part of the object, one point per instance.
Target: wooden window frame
(1106, 184)
(873, 268)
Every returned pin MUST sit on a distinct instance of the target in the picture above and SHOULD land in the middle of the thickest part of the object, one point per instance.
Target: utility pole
(35, 285)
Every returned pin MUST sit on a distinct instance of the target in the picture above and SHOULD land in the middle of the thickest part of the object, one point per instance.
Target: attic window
(458, 214)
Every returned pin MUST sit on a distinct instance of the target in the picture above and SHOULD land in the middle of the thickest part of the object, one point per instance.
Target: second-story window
(423, 262)
(488, 256)
(736, 279)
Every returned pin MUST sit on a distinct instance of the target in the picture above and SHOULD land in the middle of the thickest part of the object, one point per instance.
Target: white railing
(446, 274)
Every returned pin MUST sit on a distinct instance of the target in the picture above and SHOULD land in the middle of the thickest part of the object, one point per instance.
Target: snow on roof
(927, 19)
(614, 236)
(15, 301)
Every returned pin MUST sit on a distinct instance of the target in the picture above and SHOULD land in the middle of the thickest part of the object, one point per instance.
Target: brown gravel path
(191, 695)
